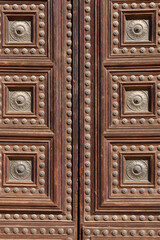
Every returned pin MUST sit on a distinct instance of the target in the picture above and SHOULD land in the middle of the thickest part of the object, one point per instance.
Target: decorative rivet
(41, 190)
(115, 50)
(15, 230)
(96, 232)
(150, 218)
(150, 190)
(7, 51)
(152, 5)
(142, 218)
(24, 190)
(6, 6)
(15, 148)
(41, 6)
(133, 148)
(33, 231)
(143, 5)
(7, 147)
(115, 156)
(124, 78)
(24, 121)
(115, 23)
(51, 217)
(132, 232)
(151, 148)
(7, 216)
(133, 50)
(151, 49)
(115, 104)
(24, 216)
(133, 218)
(142, 148)
(123, 232)
(124, 148)
(115, 33)
(16, 216)
(115, 174)
(151, 120)
(42, 230)
(16, 190)
(133, 5)
(33, 190)
(151, 233)
(115, 5)
(141, 232)
(124, 121)
(114, 232)
(124, 5)
(133, 190)
(15, 51)
(133, 121)
(133, 78)
(33, 6)
(124, 190)
(141, 77)
(124, 50)
(124, 217)
(24, 230)
(24, 7)
(106, 218)
(87, 232)
(96, 218)
(115, 15)
(33, 51)
(6, 230)
(142, 120)
(142, 50)
(105, 232)
(142, 191)
(51, 230)
(115, 190)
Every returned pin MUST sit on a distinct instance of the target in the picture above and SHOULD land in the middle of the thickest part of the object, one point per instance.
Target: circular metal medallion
(137, 30)
(20, 170)
(20, 101)
(20, 31)
(137, 170)
(137, 101)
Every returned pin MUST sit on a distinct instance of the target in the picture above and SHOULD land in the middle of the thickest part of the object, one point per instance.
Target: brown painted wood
(39, 139)
(115, 135)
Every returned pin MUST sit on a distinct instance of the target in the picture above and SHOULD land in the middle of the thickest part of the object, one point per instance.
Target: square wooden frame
(19, 87)
(150, 14)
(18, 16)
(19, 156)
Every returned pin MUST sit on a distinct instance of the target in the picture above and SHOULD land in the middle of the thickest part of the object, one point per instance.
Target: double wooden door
(79, 119)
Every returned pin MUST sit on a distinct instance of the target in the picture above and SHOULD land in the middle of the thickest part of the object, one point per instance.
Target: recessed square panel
(137, 29)
(20, 170)
(134, 29)
(24, 98)
(20, 100)
(133, 169)
(137, 100)
(134, 98)
(137, 169)
(25, 29)
(19, 31)
(25, 171)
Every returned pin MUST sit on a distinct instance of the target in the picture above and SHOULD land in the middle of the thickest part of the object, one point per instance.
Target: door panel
(36, 121)
(120, 94)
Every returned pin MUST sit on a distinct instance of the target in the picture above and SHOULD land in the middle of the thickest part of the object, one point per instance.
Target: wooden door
(36, 126)
(79, 93)
(120, 144)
